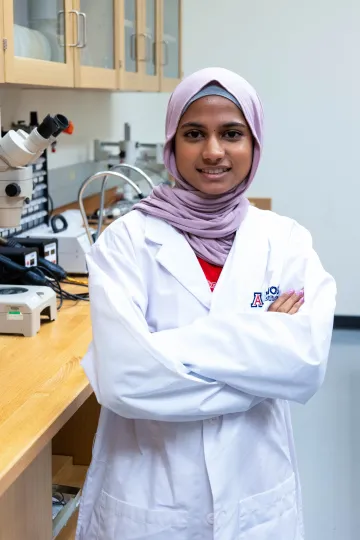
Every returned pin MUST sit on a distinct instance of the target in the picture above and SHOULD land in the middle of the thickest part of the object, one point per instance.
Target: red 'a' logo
(257, 302)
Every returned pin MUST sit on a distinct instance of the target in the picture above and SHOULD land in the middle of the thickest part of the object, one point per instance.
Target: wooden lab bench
(48, 419)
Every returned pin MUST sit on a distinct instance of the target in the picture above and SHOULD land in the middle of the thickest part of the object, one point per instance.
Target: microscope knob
(13, 190)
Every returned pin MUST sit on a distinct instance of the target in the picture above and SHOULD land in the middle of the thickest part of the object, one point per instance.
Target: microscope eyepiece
(62, 123)
(52, 126)
(47, 127)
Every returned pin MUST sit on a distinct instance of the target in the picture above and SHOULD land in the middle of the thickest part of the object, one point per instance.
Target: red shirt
(212, 272)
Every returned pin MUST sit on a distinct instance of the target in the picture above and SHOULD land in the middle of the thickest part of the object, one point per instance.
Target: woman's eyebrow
(192, 124)
(234, 124)
(199, 125)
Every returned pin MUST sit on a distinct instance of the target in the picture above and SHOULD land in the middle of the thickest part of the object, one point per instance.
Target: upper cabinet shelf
(130, 45)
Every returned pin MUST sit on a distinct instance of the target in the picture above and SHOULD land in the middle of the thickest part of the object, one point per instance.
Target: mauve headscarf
(208, 223)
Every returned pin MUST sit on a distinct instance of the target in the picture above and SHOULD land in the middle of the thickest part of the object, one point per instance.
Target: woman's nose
(213, 150)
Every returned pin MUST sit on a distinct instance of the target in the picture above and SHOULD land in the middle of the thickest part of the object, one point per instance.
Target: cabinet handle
(77, 14)
(147, 38)
(133, 46)
(60, 35)
(166, 55)
(154, 52)
(84, 31)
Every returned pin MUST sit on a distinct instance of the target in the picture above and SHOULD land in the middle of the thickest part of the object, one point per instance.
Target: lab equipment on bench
(46, 253)
(120, 166)
(18, 150)
(131, 151)
(21, 162)
(26, 256)
(134, 155)
(72, 241)
(21, 308)
(47, 247)
(104, 175)
(30, 282)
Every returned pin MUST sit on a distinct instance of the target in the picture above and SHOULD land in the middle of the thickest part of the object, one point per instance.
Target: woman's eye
(232, 134)
(193, 134)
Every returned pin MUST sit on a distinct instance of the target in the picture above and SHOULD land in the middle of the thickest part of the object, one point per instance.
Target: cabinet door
(38, 39)
(96, 60)
(170, 45)
(149, 40)
(131, 44)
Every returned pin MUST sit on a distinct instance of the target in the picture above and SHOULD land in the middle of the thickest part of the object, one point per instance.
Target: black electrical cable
(70, 296)
(43, 276)
(29, 275)
(60, 292)
(55, 268)
(43, 271)
(51, 201)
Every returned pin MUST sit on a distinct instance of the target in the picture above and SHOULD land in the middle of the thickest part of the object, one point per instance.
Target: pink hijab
(208, 223)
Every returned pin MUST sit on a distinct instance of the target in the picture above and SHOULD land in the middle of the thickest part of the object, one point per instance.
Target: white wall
(327, 437)
(96, 115)
(303, 58)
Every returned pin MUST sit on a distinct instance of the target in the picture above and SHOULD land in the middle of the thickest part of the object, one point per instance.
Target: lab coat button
(210, 519)
(220, 519)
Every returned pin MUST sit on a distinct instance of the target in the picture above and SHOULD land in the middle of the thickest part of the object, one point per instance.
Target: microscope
(18, 150)
(21, 306)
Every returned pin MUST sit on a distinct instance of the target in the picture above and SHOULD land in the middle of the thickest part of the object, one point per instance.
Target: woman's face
(213, 145)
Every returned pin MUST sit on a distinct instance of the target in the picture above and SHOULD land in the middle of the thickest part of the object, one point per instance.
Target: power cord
(41, 276)
(62, 294)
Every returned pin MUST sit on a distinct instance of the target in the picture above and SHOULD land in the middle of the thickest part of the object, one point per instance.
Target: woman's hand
(289, 302)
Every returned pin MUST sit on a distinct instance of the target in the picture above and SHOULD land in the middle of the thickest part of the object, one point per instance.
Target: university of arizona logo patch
(258, 301)
(271, 295)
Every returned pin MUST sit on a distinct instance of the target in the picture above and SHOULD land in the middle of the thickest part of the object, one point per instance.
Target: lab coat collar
(245, 269)
(178, 258)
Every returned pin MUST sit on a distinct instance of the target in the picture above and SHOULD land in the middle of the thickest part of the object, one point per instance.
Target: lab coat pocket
(119, 520)
(271, 515)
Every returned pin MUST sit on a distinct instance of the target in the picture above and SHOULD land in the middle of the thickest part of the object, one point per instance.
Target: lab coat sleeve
(272, 355)
(129, 374)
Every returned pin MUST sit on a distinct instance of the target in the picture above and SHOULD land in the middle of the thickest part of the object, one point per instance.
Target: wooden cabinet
(39, 42)
(132, 45)
(150, 45)
(151, 67)
(97, 52)
(170, 44)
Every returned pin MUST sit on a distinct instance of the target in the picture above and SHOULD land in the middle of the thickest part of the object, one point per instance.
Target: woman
(200, 337)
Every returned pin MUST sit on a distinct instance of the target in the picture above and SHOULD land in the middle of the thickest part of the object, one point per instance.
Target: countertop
(42, 386)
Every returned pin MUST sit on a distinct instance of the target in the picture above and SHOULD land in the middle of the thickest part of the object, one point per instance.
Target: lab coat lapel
(177, 257)
(245, 270)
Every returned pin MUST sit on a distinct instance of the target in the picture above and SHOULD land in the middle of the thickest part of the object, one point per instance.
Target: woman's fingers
(287, 301)
(296, 306)
(280, 301)
(289, 304)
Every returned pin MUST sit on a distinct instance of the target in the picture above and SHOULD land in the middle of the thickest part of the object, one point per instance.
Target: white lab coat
(194, 440)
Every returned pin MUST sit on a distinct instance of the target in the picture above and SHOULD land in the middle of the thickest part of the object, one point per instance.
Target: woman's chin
(215, 188)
